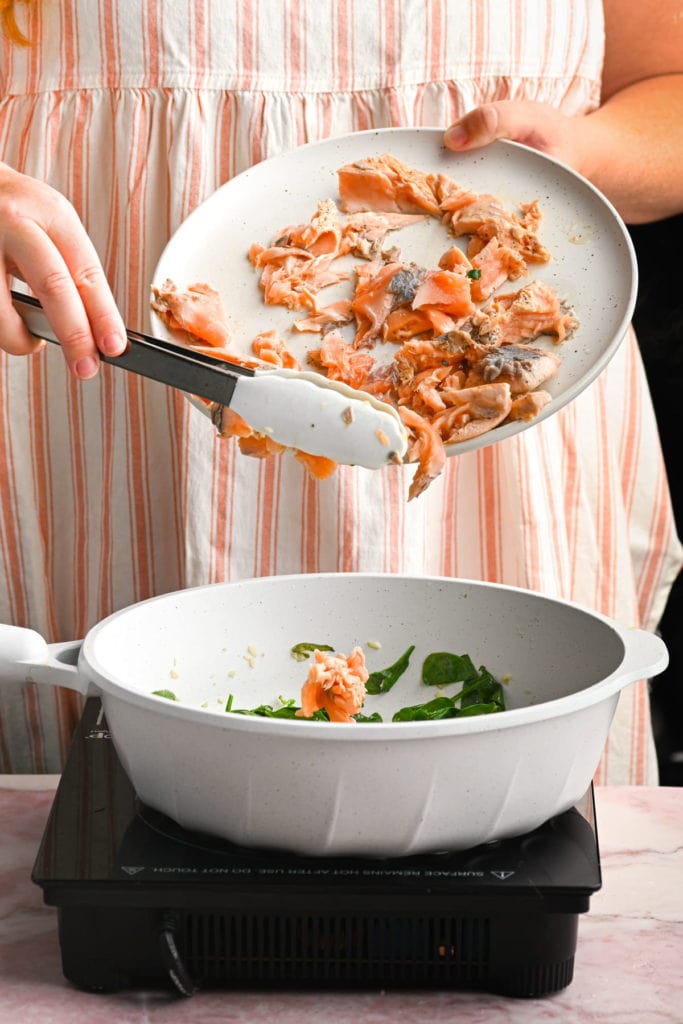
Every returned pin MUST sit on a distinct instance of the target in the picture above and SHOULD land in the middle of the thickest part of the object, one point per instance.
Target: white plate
(593, 264)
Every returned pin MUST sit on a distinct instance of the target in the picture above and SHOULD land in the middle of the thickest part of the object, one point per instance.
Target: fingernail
(456, 137)
(113, 344)
(86, 368)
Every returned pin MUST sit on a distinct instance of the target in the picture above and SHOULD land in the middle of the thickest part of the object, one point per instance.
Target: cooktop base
(143, 902)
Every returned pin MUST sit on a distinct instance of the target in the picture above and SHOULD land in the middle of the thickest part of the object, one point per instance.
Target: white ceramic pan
(381, 790)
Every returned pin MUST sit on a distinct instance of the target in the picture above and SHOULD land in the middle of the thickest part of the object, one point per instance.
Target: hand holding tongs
(295, 408)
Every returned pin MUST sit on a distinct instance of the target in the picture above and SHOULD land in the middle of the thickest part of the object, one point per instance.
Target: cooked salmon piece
(342, 361)
(299, 262)
(294, 282)
(198, 309)
(382, 383)
(404, 324)
(442, 324)
(318, 466)
(228, 423)
(259, 446)
(261, 255)
(451, 196)
(523, 367)
(335, 684)
(322, 236)
(364, 233)
(531, 215)
(455, 259)
(374, 299)
(422, 354)
(446, 291)
(497, 264)
(472, 411)
(524, 315)
(334, 314)
(526, 407)
(386, 184)
(487, 218)
(426, 447)
(424, 388)
(271, 349)
(429, 319)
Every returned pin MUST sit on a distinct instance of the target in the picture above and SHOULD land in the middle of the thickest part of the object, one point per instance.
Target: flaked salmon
(485, 218)
(455, 259)
(342, 361)
(318, 466)
(364, 233)
(386, 184)
(528, 406)
(426, 449)
(405, 323)
(334, 314)
(335, 684)
(258, 446)
(470, 412)
(197, 310)
(461, 363)
(523, 367)
(291, 280)
(496, 264)
(446, 291)
(523, 315)
(271, 349)
(320, 237)
(374, 299)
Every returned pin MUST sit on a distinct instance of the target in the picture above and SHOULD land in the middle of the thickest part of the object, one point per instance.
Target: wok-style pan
(321, 788)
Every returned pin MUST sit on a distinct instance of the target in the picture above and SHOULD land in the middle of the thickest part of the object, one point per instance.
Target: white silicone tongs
(296, 408)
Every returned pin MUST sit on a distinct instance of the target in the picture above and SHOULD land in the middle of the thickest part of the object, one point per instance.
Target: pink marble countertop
(628, 962)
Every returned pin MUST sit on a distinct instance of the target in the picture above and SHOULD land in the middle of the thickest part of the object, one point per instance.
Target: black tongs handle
(194, 372)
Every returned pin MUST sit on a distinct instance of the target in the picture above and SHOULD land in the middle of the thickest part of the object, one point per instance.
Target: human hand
(534, 124)
(43, 242)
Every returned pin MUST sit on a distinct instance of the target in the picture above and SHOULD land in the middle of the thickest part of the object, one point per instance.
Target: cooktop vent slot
(328, 949)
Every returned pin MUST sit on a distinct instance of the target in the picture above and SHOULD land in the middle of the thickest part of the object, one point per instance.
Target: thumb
(508, 119)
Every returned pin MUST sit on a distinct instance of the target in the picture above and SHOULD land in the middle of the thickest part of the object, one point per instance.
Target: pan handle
(645, 654)
(25, 657)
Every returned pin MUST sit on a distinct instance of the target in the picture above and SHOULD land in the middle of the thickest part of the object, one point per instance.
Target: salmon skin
(461, 363)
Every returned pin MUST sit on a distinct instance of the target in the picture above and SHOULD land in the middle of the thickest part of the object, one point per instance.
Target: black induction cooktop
(144, 902)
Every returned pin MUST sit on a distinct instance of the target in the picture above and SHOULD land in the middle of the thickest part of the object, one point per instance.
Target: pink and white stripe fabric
(116, 490)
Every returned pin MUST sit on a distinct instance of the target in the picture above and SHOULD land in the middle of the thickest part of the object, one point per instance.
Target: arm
(632, 146)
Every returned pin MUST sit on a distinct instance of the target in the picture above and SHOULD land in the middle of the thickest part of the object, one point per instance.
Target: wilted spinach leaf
(478, 709)
(481, 694)
(302, 651)
(287, 709)
(442, 668)
(440, 707)
(484, 690)
(382, 680)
